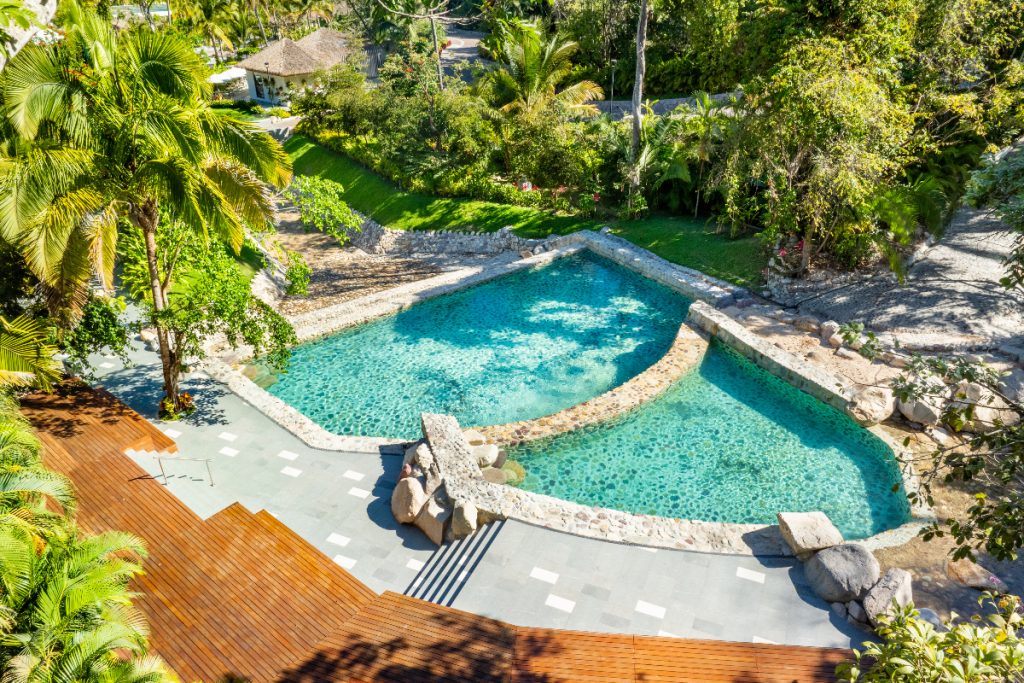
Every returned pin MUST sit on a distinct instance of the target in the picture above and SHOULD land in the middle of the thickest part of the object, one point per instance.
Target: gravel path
(951, 292)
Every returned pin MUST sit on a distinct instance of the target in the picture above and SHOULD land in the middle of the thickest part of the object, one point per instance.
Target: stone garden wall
(376, 239)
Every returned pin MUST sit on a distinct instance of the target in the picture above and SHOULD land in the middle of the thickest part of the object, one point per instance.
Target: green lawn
(685, 241)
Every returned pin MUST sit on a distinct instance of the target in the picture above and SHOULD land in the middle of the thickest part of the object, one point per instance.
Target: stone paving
(527, 575)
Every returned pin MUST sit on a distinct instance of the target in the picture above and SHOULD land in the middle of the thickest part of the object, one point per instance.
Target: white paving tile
(666, 634)
(338, 539)
(227, 436)
(650, 609)
(562, 604)
(291, 471)
(345, 562)
(228, 451)
(172, 432)
(414, 564)
(106, 365)
(763, 641)
(353, 475)
(358, 492)
(648, 550)
(750, 575)
(544, 575)
(288, 455)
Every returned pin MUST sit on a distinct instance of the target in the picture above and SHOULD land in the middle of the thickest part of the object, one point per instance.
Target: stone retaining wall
(374, 238)
(801, 374)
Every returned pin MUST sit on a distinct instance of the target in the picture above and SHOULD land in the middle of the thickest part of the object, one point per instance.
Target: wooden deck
(241, 594)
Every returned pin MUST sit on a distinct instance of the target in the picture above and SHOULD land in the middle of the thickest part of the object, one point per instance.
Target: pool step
(441, 579)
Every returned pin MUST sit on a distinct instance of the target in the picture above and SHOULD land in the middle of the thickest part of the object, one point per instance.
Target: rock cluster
(844, 574)
(422, 497)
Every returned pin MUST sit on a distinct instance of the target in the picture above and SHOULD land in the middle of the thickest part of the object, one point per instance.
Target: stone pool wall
(686, 352)
(374, 238)
(805, 376)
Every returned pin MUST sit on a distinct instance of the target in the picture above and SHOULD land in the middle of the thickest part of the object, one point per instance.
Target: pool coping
(703, 321)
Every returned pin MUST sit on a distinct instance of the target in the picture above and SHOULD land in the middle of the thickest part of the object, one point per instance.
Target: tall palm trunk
(146, 217)
(638, 92)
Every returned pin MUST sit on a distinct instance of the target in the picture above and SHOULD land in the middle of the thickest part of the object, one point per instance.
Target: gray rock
(464, 519)
(932, 618)
(494, 475)
(828, 329)
(410, 453)
(806, 323)
(871, 405)
(808, 532)
(485, 455)
(926, 410)
(846, 354)
(433, 519)
(835, 341)
(856, 612)
(973, 575)
(989, 409)
(842, 573)
(895, 585)
(407, 500)
(502, 458)
(839, 609)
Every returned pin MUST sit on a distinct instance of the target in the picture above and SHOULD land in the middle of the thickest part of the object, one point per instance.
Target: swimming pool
(519, 347)
(729, 442)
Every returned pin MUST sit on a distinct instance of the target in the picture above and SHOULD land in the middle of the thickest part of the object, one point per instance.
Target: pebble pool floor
(515, 348)
(729, 442)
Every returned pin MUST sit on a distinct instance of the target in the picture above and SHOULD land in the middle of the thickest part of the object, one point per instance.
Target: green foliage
(980, 650)
(297, 274)
(12, 15)
(26, 355)
(210, 296)
(102, 328)
(322, 206)
(816, 139)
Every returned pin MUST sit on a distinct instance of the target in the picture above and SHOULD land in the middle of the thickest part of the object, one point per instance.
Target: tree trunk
(638, 92)
(146, 216)
(259, 21)
(437, 52)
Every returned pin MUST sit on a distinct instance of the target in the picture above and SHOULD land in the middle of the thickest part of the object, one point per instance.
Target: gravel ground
(953, 290)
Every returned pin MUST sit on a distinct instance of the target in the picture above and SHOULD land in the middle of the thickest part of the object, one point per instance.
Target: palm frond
(26, 359)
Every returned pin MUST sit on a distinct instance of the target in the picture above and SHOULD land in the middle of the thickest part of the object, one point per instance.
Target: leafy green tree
(980, 650)
(322, 206)
(205, 294)
(69, 611)
(531, 68)
(815, 141)
(108, 125)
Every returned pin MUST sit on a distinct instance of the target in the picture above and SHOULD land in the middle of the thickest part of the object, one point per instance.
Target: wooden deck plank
(242, 594)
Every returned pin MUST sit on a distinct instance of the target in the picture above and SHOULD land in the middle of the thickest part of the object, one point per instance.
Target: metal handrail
(160, 462)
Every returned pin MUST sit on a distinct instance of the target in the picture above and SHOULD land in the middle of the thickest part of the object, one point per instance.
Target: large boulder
(433, 519)
(926, 410)
(486, 454)
(464, 519)
(407, 500)
(842, 573)
(989, 410)
(895, 587)
(871, 405)
(973, 575)
(808, 532)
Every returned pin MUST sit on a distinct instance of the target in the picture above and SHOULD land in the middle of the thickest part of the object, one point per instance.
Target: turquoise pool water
(729, 442)
(519, 347)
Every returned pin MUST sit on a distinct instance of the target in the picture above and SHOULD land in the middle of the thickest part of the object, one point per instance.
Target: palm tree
(643, 18)
(68, 610)
(531, 68)
(26, 487)
(108, 126)
(208, 18)
(26, 359)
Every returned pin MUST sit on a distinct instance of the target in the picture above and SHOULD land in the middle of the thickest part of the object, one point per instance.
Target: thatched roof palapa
(320, 50)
